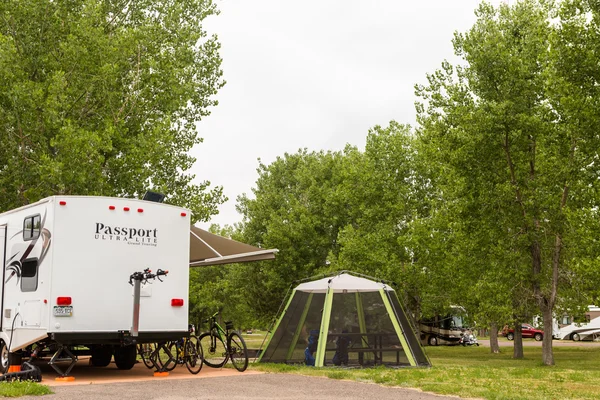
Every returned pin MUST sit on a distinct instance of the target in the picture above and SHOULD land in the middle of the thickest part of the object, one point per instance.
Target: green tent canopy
(352, 318)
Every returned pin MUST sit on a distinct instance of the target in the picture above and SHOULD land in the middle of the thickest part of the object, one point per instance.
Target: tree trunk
(518, 341)
(547, 351)
(494, 346)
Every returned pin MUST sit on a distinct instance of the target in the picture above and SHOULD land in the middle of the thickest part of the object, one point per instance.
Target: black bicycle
(186, 350)
(221, 345)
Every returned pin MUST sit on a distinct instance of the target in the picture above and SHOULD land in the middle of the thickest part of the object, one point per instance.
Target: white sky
(315, 74)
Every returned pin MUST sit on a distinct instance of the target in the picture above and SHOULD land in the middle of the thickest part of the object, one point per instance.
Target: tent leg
(362, 326)
(320, 358)
(399, 332)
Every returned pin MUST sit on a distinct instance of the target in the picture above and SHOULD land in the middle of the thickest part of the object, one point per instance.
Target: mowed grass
(26, 388)
(475, 372)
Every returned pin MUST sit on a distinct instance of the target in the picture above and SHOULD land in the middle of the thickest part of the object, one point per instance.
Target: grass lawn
(475, 372)
(18, 389)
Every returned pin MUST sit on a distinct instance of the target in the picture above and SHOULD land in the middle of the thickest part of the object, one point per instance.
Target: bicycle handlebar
(143, 277)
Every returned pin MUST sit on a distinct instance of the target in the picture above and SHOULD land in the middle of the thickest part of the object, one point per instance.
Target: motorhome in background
(67, 262)
(576, 331)
(446, 329)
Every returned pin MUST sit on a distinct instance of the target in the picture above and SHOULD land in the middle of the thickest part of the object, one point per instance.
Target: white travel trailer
(65, 282)
(576, 332)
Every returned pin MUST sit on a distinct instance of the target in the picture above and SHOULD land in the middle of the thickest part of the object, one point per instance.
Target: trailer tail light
(111, 207)
(62, 203)
(63, 301)
(125, 208)
(140, 210)
(177, 302)
(183, 214)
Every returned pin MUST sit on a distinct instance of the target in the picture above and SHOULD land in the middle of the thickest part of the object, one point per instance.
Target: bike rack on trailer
(136, 280)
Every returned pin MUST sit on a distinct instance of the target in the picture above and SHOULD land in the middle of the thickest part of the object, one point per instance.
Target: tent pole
(322, 346)
(299, 328)
(362, 323)
(277, 324)
(399, 332)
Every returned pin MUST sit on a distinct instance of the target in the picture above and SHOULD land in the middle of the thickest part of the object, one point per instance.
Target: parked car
(527, 331)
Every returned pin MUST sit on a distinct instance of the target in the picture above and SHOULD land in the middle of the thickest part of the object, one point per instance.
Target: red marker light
(125, 208)
(177, 302)
(62, 203)
(111, 207)
(140, 210)
(63, 301)
(183, 214)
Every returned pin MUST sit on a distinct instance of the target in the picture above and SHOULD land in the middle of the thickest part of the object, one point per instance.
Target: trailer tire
(433, 341)
(3, 357)
(101, 356)
(125, 357)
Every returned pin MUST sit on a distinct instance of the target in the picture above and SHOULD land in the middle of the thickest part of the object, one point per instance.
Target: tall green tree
(296, 210)
(499, 125)
(102, 97)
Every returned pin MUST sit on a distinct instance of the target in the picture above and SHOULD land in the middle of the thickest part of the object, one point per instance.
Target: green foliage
(508, 132)
(295, 209)
(102, 97)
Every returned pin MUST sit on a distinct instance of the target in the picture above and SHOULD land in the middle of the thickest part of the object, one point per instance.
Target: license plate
(63, 311)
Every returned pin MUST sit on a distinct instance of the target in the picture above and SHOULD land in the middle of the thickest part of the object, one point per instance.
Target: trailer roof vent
(153, 196)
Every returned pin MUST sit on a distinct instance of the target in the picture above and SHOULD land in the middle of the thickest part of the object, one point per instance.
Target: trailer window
(31, 227)
(29, 275)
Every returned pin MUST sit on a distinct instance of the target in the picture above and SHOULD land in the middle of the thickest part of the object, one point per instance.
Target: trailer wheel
(125, 356)
(3, 357)
(101, 356)
(433, 341)
(575, 337)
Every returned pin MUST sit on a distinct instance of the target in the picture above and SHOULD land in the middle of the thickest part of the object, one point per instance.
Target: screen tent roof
(209, 249)
(342, 283)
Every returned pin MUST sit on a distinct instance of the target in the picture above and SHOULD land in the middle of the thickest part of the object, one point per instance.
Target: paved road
(239, 386)
(533, 343)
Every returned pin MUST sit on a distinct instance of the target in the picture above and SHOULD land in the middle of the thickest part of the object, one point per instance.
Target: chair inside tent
(344, 320)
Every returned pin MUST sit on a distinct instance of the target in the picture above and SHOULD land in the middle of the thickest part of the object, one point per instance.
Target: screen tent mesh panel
(281, 348)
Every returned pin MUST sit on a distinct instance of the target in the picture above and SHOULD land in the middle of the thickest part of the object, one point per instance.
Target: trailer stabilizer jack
(55, 358)
(28, 372)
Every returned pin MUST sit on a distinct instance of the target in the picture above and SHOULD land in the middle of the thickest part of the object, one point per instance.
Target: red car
(528, 331)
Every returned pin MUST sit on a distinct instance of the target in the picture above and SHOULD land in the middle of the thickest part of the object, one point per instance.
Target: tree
(102, 97)
(529, 166)
(297, 211)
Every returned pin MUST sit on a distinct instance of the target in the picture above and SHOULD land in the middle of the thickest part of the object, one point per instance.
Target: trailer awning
(209, 249)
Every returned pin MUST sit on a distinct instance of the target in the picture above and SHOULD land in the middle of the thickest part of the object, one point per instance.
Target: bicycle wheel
(145, 350)
(167, 360)
(215, 355)
(193, 355)
(237, 351)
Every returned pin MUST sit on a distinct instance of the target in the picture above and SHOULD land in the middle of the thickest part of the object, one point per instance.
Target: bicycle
(220, 345)
(145, 350)
(186, 350)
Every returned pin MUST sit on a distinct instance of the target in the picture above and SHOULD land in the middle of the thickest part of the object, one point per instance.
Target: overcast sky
(315, 74)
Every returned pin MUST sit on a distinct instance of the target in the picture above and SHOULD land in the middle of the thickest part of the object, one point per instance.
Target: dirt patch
(86, 374)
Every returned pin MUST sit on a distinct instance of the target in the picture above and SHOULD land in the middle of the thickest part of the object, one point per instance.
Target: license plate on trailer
(63, 311)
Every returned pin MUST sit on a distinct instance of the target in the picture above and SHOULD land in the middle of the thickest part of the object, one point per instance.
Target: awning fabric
(209, 249)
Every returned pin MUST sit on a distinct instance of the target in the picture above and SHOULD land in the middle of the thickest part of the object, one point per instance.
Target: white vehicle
(65, 282)
(576, 332)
